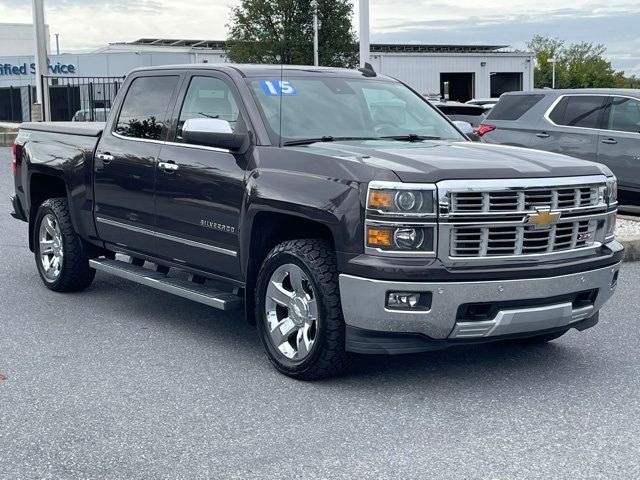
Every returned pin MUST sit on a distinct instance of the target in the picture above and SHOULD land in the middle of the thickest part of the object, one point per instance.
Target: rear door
(125, 164)
(619, 145)
(571, 126)
(199, 199)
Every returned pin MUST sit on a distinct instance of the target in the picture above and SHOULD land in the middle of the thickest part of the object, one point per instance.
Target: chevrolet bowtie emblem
(543, 218)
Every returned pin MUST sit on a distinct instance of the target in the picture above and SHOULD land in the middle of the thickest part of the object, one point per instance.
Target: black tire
(547, 337)
(75, 273)
(327, 357)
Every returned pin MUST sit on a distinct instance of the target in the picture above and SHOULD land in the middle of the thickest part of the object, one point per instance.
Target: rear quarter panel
(521, 132)
(69, 158)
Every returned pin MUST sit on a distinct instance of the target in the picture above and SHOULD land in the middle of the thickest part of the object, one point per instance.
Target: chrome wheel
(291, 309)
(51, 248)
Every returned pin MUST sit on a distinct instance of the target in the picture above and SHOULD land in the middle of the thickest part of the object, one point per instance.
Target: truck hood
(436, 161)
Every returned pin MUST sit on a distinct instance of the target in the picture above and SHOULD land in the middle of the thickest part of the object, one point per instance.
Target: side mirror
(214, 132)
(464, 127)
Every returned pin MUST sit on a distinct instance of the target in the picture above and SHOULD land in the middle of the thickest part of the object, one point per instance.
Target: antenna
(282, 49)
(368, 70)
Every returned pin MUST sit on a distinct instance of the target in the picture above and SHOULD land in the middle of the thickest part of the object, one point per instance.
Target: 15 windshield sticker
(277, 88)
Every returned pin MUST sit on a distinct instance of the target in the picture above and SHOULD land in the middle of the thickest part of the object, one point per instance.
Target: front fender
(335, 204)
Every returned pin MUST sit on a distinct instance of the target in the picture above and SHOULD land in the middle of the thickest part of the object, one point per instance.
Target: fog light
(409, 300)
(409, 238)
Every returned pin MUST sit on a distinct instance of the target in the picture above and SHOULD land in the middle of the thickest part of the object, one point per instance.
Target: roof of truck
(248, 70)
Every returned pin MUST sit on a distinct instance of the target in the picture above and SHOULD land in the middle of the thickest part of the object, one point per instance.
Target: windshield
(330, 108)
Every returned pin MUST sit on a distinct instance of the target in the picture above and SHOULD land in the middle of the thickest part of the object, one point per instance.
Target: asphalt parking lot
(122, 381)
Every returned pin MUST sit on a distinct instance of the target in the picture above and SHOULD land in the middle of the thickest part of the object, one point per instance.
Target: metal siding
(422, 72)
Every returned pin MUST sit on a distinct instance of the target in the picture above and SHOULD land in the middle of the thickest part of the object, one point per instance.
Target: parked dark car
(601, 125)
(486, 103)
(473, 114)
(341, 223)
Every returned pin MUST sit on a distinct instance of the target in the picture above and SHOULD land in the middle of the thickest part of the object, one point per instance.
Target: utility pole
(314, 5)
(40, 37)
(57, 44)
(553, 75)
(365, 49)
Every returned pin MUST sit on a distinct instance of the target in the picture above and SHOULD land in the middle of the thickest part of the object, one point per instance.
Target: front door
(125, 165)
(619, 145)
(199, 197)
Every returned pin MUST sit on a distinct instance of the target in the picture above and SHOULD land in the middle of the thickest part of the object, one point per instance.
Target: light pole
(314, 5)
(553, 75)
(40, 37)
(365, 49)
(57, 44)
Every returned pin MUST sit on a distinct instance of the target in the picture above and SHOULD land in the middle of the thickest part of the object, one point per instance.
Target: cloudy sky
(86, 24)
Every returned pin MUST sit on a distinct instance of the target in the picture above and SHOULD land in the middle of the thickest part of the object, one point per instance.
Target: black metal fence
(15, 103)
(81, 99)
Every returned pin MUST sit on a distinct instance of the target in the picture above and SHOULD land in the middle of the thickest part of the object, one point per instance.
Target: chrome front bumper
(364, 304)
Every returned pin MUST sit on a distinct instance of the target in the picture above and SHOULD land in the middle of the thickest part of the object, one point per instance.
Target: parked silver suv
(601, 125)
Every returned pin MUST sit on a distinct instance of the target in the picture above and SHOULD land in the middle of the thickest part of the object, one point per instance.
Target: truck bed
(84, 129)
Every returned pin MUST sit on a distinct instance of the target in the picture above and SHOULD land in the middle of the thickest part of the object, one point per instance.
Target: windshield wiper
(326, 138)
(412, 137)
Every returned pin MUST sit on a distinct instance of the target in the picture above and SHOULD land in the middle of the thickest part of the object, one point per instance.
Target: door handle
(609, 141)
(106, 158)
(542, 135)
(168, 167)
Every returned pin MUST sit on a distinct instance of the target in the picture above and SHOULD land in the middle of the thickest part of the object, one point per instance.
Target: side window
(557, 114)
(579, 111)
(144, 111)
(625, 115)
(208, 97)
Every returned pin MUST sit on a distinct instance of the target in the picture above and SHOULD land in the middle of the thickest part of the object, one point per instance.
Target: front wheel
(59, 251)
(298, 310)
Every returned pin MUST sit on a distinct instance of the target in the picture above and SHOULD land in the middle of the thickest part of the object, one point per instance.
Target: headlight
(401, 199)
(401, 218)
(612, 190)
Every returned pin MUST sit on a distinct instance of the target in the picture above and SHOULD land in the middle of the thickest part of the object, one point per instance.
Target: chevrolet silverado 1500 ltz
(340, 222)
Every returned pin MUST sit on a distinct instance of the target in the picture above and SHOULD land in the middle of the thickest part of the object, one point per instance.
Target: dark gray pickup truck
(340, 222)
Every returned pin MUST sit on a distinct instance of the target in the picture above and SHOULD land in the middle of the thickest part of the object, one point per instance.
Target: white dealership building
(90, 80)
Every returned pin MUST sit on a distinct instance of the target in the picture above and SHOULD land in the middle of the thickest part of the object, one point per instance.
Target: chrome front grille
(524, 200)
(484, 220)
(495, 241)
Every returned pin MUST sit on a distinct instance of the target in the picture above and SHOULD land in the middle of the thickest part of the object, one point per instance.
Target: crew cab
(339, 228)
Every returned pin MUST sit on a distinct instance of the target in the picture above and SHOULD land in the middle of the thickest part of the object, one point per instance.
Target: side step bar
(183, 288)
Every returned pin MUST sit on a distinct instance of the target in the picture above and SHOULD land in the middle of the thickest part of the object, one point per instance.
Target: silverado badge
(543, 218)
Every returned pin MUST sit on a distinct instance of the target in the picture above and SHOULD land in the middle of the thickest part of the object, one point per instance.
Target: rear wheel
(58, 249)
(298, 310)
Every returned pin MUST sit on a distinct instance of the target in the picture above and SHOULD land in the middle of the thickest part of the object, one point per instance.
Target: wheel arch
(42, 186)
(269, 229)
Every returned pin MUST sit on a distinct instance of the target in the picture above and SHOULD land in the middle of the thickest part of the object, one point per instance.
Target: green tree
(581, 65)
(544, 49)
(275, 31)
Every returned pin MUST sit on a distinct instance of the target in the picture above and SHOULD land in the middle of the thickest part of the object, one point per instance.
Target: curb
(632, 248)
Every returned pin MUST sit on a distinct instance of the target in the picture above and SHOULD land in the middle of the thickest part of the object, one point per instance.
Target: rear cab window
(512, 107)
(144, 110)
(583, 111)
